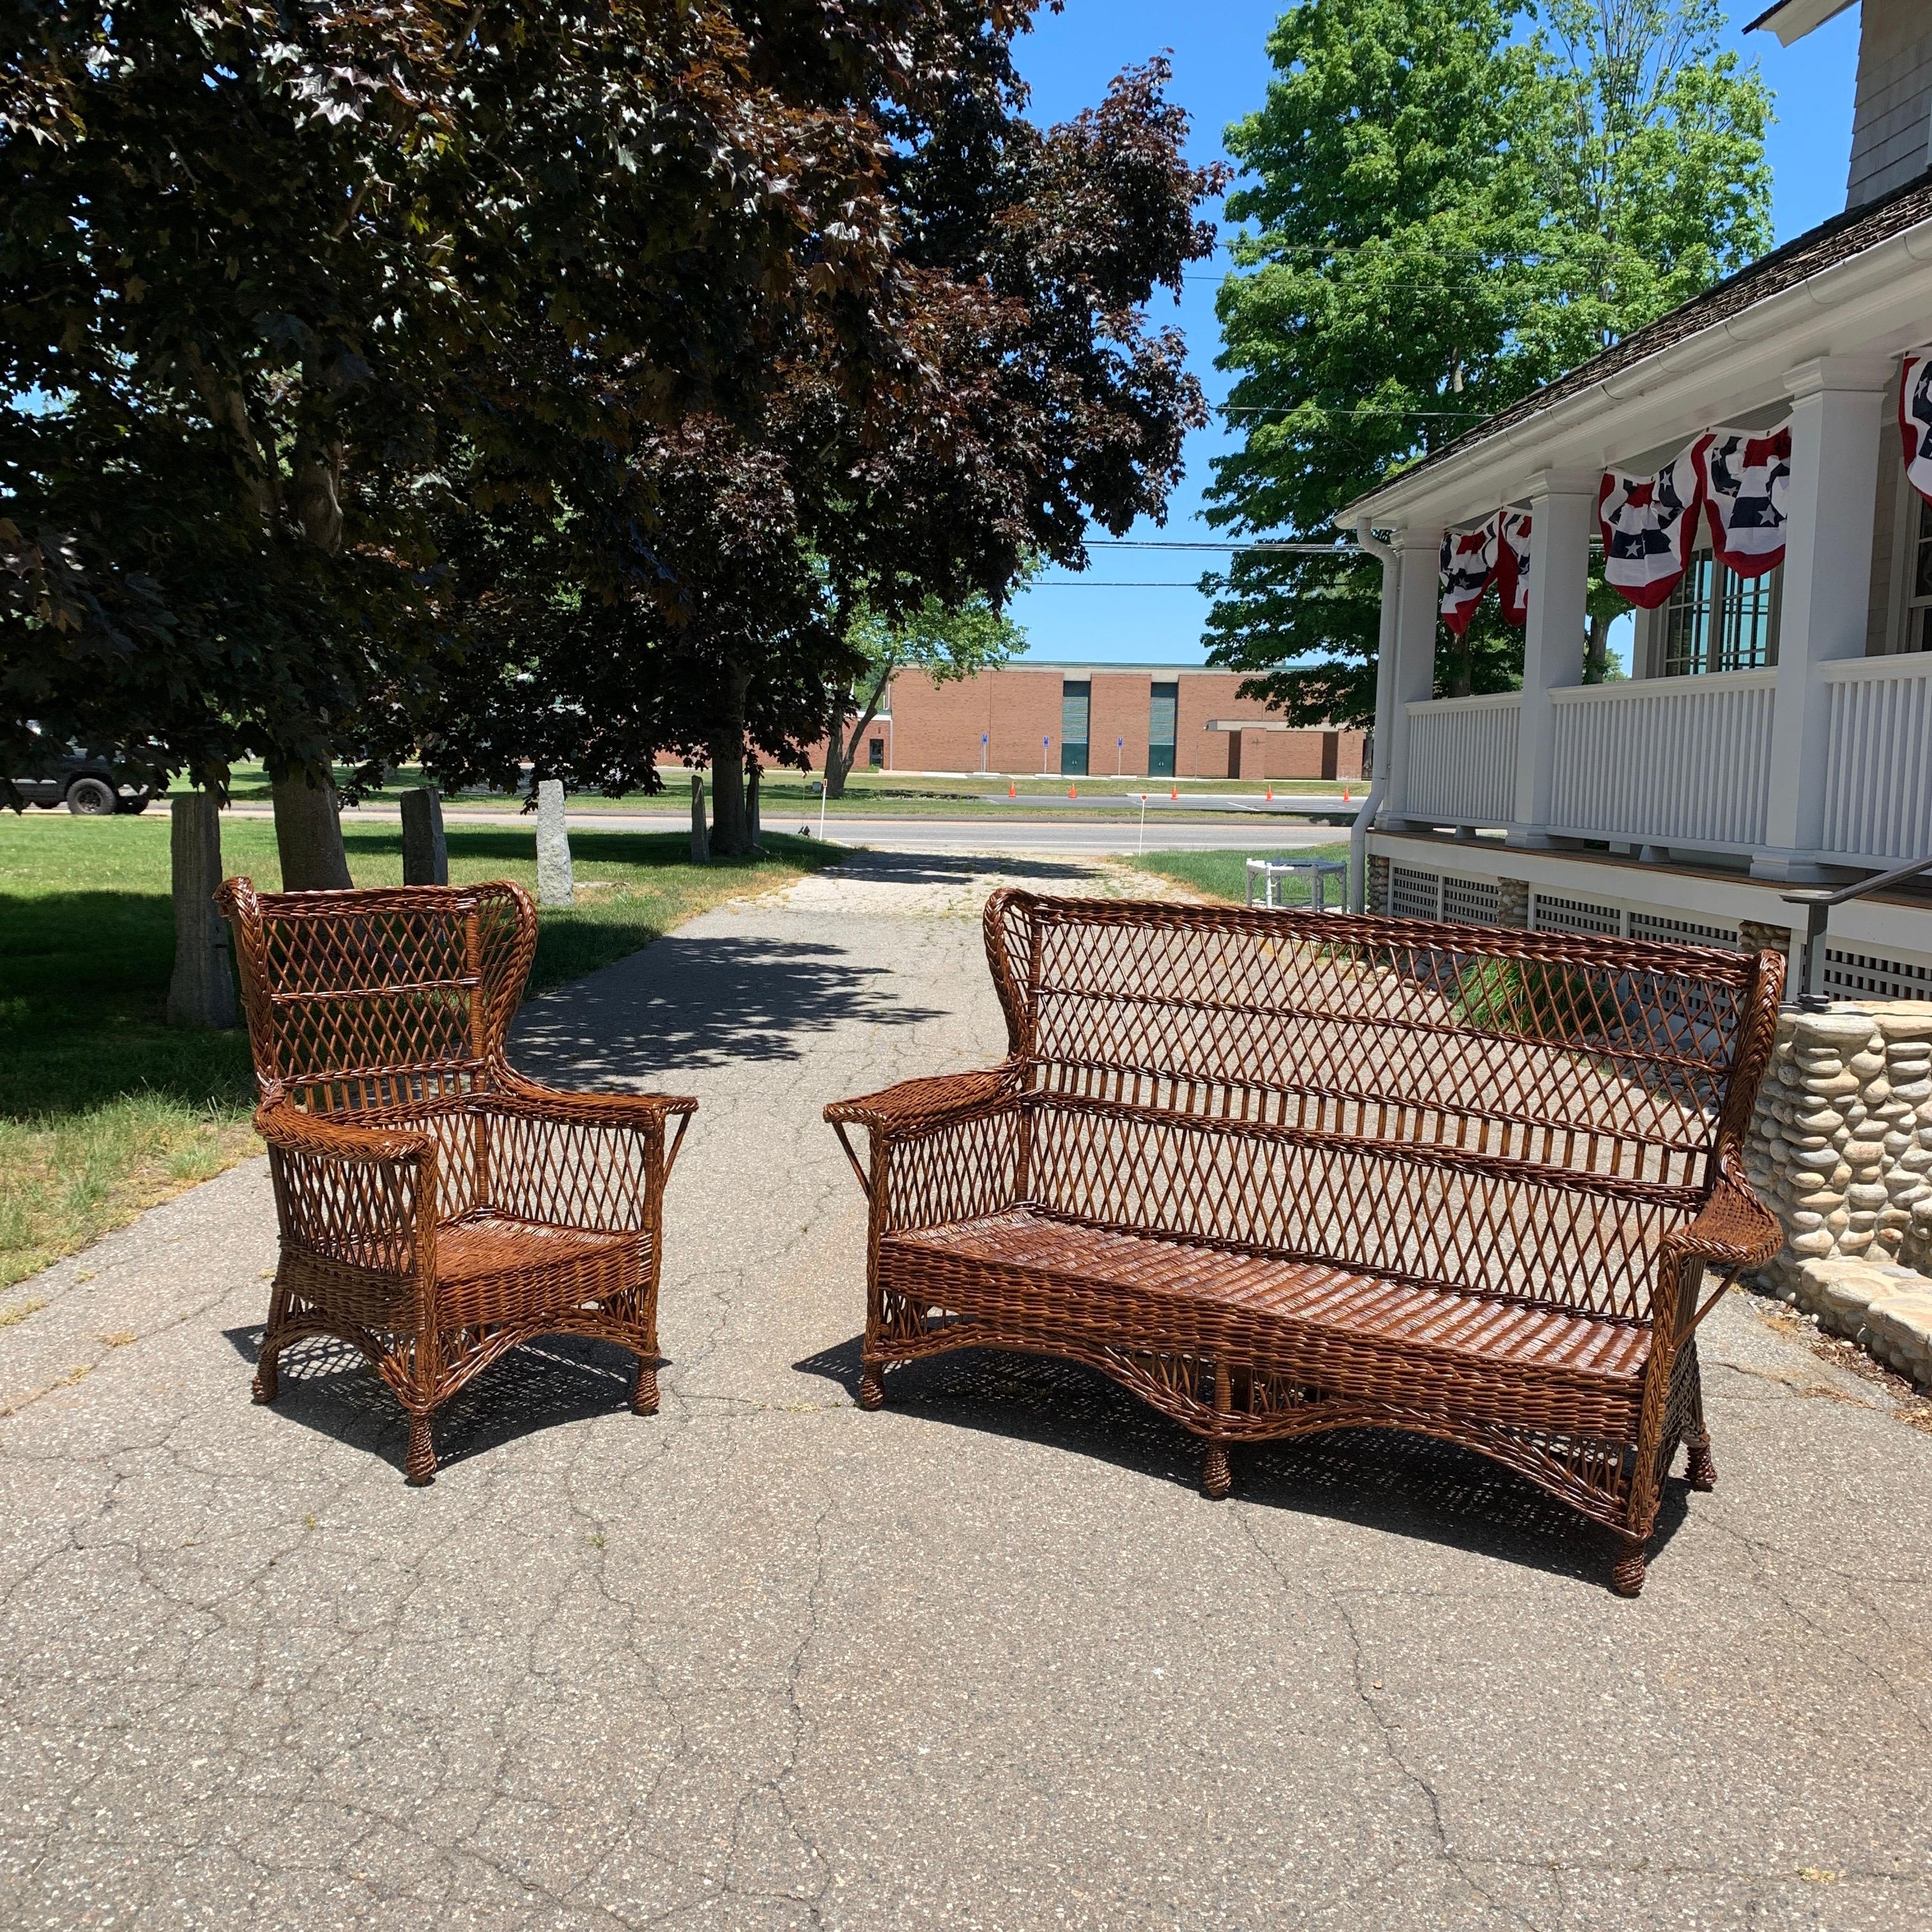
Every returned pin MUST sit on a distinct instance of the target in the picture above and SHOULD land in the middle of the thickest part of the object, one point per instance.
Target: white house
(1777, 730)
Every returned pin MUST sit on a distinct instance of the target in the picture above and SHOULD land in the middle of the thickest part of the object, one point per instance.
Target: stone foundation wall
(1513, 902)
(1841, 1146)
(1754, 937)
(1378, 884)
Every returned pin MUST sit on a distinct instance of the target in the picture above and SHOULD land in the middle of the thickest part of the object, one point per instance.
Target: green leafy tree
(1009, 392)
(286, 279)
(946, 643)
(1445, 214)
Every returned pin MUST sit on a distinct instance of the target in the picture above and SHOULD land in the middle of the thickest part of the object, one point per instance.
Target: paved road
(977, 836)
(986, 1659)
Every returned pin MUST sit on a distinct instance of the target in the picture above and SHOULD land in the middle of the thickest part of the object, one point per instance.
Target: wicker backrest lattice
(380, 1002)
(1434, 1102)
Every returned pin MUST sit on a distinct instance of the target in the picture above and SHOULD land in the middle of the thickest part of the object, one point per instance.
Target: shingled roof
(1809, 254)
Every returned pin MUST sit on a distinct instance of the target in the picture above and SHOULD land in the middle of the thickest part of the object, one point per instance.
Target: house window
(875, 754)
(1919, 589)
(1076, 705)
(1164, 703)
(1717, 620)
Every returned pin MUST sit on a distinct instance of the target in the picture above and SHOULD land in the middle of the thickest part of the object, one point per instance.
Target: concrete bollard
(701, 836)
(554, 885)
(201, 990)
(425, 849)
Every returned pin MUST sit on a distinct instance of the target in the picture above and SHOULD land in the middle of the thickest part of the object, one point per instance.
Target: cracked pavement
(984, 1659)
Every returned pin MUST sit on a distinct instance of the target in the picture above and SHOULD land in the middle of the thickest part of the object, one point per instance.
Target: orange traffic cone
(1072, 791)
(1344, 794)
(1270, 794)
(1012, 790)
(1173, 794)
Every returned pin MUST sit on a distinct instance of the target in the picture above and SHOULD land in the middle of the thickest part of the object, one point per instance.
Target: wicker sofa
(1278, 1172)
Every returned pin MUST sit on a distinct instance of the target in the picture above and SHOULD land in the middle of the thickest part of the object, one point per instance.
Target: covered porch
(1776, 729)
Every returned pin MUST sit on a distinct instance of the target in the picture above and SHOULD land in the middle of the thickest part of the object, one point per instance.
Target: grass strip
(105, 1109)
(1222, 875)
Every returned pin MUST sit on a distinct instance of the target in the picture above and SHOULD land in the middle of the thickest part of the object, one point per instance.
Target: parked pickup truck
(84, 785)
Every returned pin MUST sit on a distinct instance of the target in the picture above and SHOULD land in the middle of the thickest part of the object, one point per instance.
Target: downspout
(1358, 832)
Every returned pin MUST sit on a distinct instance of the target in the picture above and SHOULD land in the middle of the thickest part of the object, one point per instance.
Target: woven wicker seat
(436, 1208)
(1279, 1172)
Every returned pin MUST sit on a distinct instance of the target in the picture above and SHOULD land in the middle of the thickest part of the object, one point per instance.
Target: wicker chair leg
(1216, 1478)
(644, 1396)
(1627, 1572)
(872, 1387)
(268, 1384)
(419, 1466)
(1701, 1471)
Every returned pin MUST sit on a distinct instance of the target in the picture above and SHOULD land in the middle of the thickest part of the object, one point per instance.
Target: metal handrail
(1818, 902)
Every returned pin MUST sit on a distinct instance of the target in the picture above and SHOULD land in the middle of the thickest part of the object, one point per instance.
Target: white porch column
(1562, 514)
(1837, 409)
(1409, 677)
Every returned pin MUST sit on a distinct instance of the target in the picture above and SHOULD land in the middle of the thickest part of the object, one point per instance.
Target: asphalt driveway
(985, 1659)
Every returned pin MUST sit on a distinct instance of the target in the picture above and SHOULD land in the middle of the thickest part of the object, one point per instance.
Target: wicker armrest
(1733, 1230)
(914, 1105)
(530, 1099)
(363, 1195)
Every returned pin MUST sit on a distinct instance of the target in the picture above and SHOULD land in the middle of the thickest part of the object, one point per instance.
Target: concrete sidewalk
(986, 1659)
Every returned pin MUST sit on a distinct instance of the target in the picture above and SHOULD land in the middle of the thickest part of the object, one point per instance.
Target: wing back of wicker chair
(388, 1006)
(383, 1001)
(1155, 1034)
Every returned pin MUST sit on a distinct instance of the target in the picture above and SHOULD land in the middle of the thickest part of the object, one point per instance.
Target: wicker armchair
(436, 1208)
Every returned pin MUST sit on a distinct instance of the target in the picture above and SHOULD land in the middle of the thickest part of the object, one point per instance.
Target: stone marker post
(201, 990)
(425, 849)
(701, 836)
(553, 846)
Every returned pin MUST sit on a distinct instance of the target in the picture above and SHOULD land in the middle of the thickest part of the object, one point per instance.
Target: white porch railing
(1461, 761)
(1665, 760)
(1878, 768)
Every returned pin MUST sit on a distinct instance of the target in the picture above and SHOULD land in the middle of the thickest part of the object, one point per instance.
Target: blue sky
(1220, 70)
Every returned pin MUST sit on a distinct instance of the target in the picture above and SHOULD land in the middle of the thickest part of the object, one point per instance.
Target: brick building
(1137, 721)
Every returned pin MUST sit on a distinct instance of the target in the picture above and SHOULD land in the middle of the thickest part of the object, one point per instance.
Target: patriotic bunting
(1647, 523)
(1512, 565)
(1914, 419)
(1468, 562)
(1745, 477)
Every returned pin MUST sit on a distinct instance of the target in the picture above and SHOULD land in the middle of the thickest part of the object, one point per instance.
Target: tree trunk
(308, 836)
(842, 753)
(837, 763)
(1597, 651)
(731, 829)
(751, 802)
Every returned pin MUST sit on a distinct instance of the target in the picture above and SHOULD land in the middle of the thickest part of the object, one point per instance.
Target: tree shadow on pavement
(329, 1386)
(954, 868)
(691, 1003)
(1408, 1486)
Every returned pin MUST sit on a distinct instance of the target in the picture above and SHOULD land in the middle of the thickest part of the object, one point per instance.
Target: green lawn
(1221, 875)
(105, 1109)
